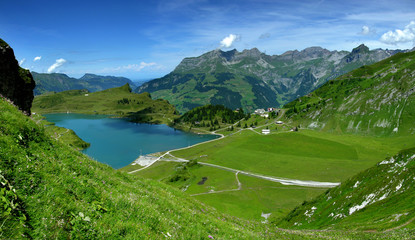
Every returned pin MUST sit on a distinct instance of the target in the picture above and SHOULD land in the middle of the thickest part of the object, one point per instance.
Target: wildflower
(210, 236)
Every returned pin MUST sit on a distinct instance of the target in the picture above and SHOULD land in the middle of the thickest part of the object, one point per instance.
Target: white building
(266, 131)
(259, 111)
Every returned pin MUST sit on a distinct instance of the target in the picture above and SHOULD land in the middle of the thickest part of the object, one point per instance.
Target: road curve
(284, 181)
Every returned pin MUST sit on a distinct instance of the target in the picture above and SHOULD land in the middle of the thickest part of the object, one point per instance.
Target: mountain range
(251, 79)
(58, 82)
(49, 190)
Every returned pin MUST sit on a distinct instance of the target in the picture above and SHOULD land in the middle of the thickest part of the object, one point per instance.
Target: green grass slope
(115, 101)
(378, 99)
(49, 190)
(380, 198)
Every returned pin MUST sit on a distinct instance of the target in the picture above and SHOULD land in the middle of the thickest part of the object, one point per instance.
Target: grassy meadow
(120, 102)
(303, 155)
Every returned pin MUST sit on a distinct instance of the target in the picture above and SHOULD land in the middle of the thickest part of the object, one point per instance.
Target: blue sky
(148, 39)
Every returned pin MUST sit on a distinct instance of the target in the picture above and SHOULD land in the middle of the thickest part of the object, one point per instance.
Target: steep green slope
(380, 198)
(51, 191)
(377, 99)
(115, 101)
(251, 79)
(58, 82)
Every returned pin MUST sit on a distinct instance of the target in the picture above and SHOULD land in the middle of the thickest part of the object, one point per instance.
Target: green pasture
(305, 155)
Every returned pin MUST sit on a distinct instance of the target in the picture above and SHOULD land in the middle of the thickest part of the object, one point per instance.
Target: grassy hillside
(66, 136)
(115, 101)
(303, 155)
(379, 198)
(378, 99)
(50, 191)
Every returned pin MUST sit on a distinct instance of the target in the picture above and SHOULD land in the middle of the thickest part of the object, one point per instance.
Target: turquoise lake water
(118, 142)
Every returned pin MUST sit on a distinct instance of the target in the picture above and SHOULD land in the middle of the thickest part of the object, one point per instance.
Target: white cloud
(59, 62)
(365, 30)
(132, 67)
(229, 40)
(37, 58)
(138, 67)
(400, 36)
(22, 61)
(142, 65)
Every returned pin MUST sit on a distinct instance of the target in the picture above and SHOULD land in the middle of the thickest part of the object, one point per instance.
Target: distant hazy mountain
(57, 82)
(251, 79)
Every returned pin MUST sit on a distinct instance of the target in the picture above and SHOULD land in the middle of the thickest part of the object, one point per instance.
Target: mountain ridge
(58, 82)
(254, 79)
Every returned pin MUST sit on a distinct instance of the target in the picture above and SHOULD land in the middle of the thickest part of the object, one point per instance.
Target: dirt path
(221, 191)
(237, 179)
(400, 226)
(284, 181)
(60, 135)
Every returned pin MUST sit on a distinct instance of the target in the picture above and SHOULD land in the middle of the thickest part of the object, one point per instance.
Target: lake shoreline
(129, 139)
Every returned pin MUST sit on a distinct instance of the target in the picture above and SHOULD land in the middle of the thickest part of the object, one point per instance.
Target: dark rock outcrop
(16, 83)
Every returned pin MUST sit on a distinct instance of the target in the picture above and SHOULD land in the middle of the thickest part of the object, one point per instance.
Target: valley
(318, 166)
(285, 155)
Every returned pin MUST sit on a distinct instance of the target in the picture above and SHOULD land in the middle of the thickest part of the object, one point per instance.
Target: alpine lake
(118, 142)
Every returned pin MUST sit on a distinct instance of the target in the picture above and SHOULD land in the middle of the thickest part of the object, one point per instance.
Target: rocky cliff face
(16, 83)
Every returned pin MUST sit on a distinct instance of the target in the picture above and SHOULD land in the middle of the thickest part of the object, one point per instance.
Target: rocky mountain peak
(88, 76)
(228, 55)
(254, 52)
(360, 49)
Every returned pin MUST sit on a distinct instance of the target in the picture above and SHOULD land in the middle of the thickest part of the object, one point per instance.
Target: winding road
(284, 181)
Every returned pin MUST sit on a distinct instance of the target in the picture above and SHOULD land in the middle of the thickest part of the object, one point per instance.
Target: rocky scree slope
(251, 79)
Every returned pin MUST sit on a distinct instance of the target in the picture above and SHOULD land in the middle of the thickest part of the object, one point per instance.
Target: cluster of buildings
(265, 113)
